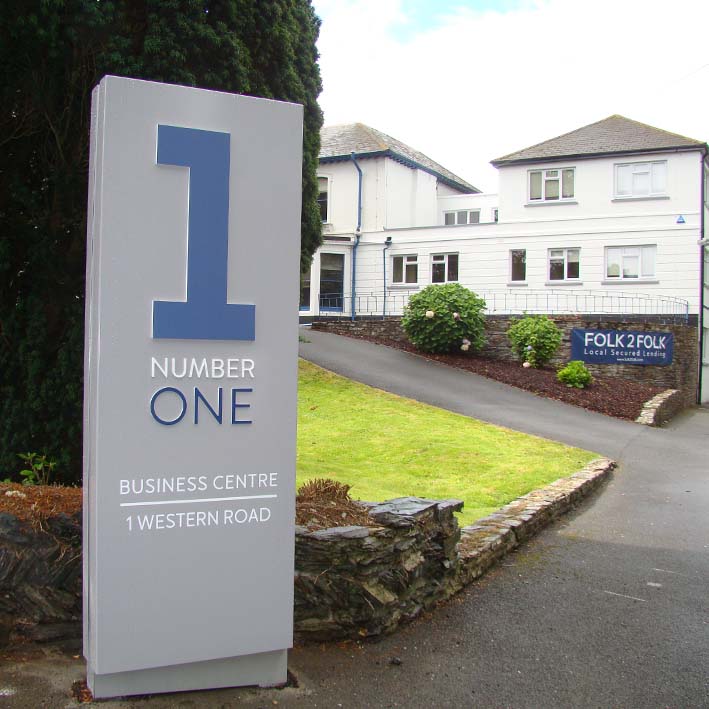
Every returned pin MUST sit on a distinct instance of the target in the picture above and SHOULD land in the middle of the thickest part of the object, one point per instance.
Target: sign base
(266, 669)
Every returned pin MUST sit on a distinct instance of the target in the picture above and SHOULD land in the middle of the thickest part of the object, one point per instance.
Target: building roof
(337, 143)
(612, 136)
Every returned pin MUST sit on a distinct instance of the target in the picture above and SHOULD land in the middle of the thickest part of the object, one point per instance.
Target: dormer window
(551, 185)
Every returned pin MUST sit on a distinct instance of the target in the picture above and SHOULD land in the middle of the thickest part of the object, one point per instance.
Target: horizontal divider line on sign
(202, 499)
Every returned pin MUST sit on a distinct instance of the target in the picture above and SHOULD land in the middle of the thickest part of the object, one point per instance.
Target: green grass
(386, 446)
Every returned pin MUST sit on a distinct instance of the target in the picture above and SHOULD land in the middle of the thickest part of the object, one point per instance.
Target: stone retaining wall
(350, 582)
(40, 578)
(681, 374)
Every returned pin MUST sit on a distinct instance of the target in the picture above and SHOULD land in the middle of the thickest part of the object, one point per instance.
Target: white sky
(469, 81)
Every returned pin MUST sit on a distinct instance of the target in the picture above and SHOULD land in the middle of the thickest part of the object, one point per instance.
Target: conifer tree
(52, 53)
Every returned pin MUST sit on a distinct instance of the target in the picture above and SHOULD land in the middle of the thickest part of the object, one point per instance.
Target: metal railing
(517, 301)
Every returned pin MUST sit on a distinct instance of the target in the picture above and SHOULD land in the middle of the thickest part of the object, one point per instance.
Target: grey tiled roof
(338, 142)
(611, 136)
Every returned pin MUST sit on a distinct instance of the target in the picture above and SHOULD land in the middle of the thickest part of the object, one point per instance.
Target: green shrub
(534, 339)
(575, 374)
(444, 318)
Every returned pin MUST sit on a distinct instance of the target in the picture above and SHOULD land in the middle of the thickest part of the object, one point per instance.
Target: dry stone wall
(350, 582)
(40, 578)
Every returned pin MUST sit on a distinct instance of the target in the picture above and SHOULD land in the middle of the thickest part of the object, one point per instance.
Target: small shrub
(39, 471)
(445, 318)
(534, 339)
(575, 374)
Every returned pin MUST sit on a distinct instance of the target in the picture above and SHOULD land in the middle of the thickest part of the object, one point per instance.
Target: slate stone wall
(350, 582)
(40, 579)
(681, 374)
(361, 581)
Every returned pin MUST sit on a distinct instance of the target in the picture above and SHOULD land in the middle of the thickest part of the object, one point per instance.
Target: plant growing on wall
(534, 339)
(51, 56)
(445, 318)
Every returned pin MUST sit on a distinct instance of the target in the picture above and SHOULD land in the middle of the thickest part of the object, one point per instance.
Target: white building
(605, 219)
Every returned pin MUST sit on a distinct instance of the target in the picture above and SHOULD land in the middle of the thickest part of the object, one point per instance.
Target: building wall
(393, 196)
(410, 196)
(484, 255)
(484, 202)
(399, 201)
(594, 190)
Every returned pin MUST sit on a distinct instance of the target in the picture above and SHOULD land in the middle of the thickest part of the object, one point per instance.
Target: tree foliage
(52, 53)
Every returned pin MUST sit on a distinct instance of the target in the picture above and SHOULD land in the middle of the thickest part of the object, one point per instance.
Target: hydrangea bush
(534, 339)
(575, 374)
(445, 318)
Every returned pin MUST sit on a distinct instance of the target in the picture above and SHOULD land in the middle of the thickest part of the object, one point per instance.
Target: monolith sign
(190, 388)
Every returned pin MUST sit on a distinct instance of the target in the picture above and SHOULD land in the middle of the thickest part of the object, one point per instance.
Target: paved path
(608, 608)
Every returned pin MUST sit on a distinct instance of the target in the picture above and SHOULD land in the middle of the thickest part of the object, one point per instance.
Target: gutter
(702, 273)
(463, 188)
(357, 235)
(387, 244)
(541, 159)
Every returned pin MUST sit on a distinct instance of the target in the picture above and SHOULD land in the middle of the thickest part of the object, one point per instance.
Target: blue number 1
(205, 315)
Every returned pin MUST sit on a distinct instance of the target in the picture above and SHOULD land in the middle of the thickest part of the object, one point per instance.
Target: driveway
(607, 608)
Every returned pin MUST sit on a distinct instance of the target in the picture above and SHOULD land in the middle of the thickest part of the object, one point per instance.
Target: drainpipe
(358, 232)
(387, 244)
(702, 275)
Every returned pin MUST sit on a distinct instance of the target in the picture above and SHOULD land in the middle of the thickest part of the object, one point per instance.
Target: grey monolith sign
(190, 388)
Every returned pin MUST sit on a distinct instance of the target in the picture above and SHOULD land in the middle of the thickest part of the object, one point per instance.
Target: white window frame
(566, 278)
(495, 214)
(560, 177)
(445, 257)
(405, 261)
(511, 279)
(329, 195)
(641, 253)
(640, 166)
(456, 216)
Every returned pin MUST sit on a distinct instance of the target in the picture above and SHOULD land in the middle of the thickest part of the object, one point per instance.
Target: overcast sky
(470, 80)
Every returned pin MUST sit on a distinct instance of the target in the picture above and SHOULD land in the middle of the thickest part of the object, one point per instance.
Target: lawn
(386, 446)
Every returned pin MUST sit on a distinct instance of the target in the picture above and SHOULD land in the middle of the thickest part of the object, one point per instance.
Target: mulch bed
(36, 503)
(322, 503)
(612, 396)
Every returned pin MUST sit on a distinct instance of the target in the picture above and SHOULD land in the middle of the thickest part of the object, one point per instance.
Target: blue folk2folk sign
(622, 347)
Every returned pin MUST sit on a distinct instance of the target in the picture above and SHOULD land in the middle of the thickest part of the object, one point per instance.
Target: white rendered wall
(484, 255)
(484, 202)
(594, 182)
(410, 196)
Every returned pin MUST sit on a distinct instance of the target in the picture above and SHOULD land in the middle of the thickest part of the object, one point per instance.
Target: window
(518, 265)
(641, 179)
(332, 279)
(406, 269)
(463, 216)
(551, 185)
(495, 214)
(564, 264)
(444, 268)
(323, 198)
(305, 290)
(630, 262)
